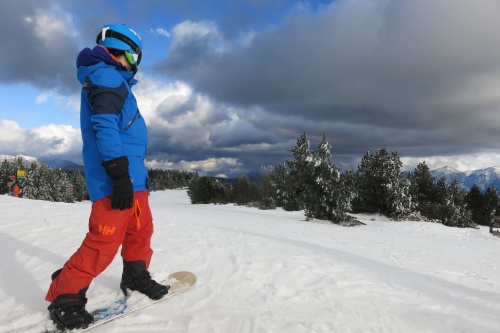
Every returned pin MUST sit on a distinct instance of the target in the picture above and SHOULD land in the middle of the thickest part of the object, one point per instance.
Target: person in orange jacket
(16, 191)
(114, 146)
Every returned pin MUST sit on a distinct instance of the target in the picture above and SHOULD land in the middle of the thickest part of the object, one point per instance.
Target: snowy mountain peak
(449, 174)
(483, 178)
(447, 169)
(51, 163)
(491, 170)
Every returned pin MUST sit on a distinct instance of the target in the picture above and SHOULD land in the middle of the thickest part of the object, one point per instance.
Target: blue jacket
(111, 123)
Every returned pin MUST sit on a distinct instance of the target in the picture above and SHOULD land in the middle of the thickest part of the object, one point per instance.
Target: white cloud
(192, 132)
(49, 140)
(174, 111)
(161, 32)
(188, 29)
(50, 24)
(209, 165)
(11, 136)
(42, 98)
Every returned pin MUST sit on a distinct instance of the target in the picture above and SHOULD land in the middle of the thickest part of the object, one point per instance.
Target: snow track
(265, 271)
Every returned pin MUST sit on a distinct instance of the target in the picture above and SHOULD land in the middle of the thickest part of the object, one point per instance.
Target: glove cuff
(116, 168)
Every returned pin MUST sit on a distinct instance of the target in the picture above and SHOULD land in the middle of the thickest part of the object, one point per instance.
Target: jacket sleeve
(107, 92)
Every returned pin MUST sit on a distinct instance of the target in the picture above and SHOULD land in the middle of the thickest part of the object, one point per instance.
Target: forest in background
(309, 181)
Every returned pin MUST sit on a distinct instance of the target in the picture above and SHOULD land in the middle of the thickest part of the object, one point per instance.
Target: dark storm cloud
(233, 17)
(402, 74)
(421, 77)
(36, 48)
(240, 133)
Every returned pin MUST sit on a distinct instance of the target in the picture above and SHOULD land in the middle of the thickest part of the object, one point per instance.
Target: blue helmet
(121, 37)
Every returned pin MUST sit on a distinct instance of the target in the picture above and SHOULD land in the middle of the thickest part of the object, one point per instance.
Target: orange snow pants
(108, 229)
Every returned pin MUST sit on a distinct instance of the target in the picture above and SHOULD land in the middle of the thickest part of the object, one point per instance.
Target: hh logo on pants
(106, 230)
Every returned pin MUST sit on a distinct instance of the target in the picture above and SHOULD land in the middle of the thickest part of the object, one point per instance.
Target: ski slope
(264, 271)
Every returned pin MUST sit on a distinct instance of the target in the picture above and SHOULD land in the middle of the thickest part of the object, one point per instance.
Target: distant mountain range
(51, 163)
(483, 178)
(60, 164)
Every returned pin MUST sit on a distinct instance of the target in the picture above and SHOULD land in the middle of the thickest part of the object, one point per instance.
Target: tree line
(68, 185)
(311, 182)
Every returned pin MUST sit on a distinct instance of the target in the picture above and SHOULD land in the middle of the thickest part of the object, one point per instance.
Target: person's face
(125, 62)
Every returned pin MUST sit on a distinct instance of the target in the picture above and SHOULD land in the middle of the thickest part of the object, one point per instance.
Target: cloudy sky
(229, 85)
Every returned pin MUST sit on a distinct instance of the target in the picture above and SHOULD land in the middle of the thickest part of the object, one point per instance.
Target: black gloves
(123, 190)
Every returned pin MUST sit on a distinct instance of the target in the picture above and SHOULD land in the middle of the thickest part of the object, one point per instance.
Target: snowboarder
(114, 146)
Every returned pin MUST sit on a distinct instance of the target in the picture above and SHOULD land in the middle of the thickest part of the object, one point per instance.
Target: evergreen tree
(5, 173)
(422, 189)
(285, 194)
(316, 181)
(317, 192)
(62, 187)
(244, 192)
(30, 188)
(475, 202)
(442, 197)
(348, 190)
(302, 171)
(491, 202)
(79, 187)
(456, 214)
(326, 200)
(266, 191)
(382, 186)
(44, 183)
(160, 180)
(204, 190)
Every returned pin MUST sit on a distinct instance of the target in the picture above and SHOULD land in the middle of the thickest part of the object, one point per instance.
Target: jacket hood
(89, 60)
(88, 57)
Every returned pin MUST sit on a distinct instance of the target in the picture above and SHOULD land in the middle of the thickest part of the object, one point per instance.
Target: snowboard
(179, 282)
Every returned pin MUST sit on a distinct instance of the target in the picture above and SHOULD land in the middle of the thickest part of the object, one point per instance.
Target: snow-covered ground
(264, 271)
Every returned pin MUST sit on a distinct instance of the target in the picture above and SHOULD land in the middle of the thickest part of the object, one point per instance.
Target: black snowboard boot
(67, 311)
(143, 283)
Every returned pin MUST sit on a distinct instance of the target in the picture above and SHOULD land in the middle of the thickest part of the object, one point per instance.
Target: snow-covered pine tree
(302, 171)
(422, 188)
(317, 181)
(284, 189)
(456, 214)
(77, 180)
(348, 190)
(30, 188)
(44, 183)
(328, 200)
(5, 173)
(382, 186)
(68, 187)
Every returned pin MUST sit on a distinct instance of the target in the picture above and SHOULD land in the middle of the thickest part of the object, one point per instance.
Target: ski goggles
(133, 58)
